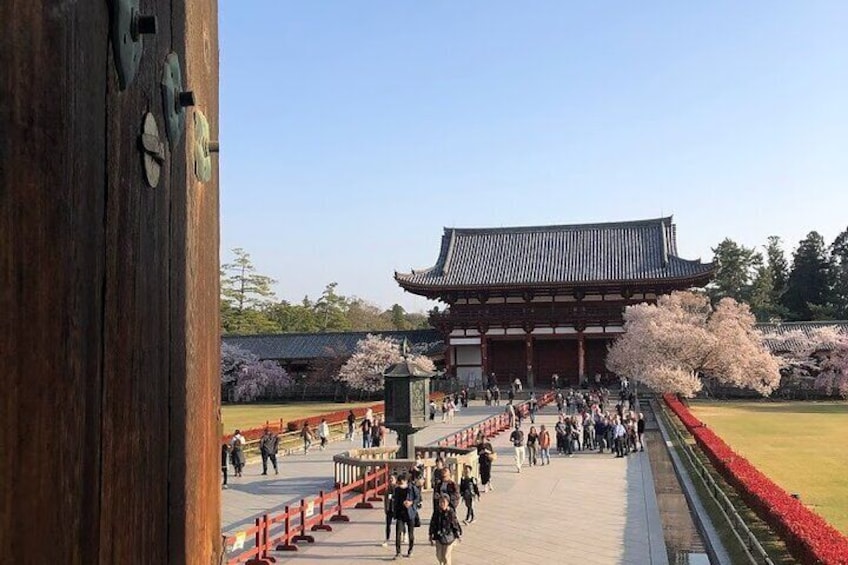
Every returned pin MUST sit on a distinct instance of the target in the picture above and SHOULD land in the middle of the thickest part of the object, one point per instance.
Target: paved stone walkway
(305, 475)
(590, 509)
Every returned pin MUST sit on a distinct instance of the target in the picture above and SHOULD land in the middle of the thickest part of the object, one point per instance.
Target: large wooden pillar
(581, 358)
(531, 381)
(484, 358)
(449, 353)
(109, 292)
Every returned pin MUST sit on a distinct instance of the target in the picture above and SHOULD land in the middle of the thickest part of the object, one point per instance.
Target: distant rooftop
(644, 250)
(805, 328)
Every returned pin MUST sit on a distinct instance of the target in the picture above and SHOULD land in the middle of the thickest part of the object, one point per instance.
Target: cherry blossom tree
(670, 344)
(820, 353)
(246, 378)
(364, 369)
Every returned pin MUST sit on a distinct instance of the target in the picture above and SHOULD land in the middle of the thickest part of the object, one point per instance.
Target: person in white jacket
(324, 433)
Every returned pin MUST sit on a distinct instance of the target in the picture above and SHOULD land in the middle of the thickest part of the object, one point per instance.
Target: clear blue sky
(352, 132)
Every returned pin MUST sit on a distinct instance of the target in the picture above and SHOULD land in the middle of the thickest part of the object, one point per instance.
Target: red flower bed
(807, 535)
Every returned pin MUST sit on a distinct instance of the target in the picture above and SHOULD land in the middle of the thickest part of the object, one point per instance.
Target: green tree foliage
(738, 267)
(778, 268)
(839, 266)
(248, 307)
(330, 310)
(295, 318)
(809, 286)
(769, 284)
(244, 294)
(364, 316)
(242, 286)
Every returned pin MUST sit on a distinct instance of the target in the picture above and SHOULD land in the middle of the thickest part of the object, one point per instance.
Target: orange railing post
(303, 536)
(364, 502)
(340, 517)
(287, 544)
(321, 526)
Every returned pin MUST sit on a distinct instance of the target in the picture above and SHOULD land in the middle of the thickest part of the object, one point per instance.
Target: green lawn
(799, 445)
(246, 416)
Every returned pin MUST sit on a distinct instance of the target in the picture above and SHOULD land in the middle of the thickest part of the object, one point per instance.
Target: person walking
(545, 445)
(485, 457)
(236, 454)
(640, 430)
(351, 423)
(268, 447)
(619, 433)
(532, 407)
(432, 410)
(496, 393)
(469, 491)
(405, 501)
(447, 486)
(365, 428)
(225, 456)
(445, 531)
(561, 435)
(324, 433)
(389, 507)
(306, 434)
(517, 439)
(510, 411)
(532, 444)
(377, 432)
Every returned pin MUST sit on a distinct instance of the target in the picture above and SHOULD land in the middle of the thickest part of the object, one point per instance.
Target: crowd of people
(587, 420)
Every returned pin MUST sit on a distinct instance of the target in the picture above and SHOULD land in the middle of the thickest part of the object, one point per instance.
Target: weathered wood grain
(108, 288)
(52, 180)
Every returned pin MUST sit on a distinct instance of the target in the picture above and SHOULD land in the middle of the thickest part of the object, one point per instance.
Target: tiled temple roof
(644, 250)
(307, 346)
(788, 344)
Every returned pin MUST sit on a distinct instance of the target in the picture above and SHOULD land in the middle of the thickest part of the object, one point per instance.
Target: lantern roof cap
(407, 368)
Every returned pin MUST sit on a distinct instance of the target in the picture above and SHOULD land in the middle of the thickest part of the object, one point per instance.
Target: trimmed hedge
(808, 536)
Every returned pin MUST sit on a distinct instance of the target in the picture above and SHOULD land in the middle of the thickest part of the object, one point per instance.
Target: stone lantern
(407, 388)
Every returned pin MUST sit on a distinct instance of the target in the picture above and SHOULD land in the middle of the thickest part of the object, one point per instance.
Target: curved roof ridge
(664, 221)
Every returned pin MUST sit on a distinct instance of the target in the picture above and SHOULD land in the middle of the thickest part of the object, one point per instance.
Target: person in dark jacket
(268, 449)
(225, 455)
(469, 491)
(351, 422)
(389, 507)
(405, 499)
(485, 458)
(449, 487)
(445, 530)
(640, 429)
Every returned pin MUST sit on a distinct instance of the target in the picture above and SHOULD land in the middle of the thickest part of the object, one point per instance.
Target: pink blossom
(668, 345)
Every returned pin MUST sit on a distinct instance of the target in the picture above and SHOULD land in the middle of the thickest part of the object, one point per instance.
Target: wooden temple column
(449, 352)
(484, 358)
(528, 340)
(581, 358)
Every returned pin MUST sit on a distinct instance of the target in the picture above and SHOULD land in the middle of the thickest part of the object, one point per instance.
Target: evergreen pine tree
(808, 288)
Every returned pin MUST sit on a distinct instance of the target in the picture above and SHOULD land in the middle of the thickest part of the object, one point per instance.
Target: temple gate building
(529, 302)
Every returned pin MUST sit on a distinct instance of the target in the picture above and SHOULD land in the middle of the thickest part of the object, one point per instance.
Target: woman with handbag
(445, 530)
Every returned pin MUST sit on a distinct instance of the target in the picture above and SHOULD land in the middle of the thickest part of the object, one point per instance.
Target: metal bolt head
(185, 99)
(145, 25)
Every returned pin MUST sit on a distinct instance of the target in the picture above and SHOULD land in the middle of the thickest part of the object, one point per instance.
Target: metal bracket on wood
(128, 26)
(174, 99)
(203, 147)
(152, 150)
